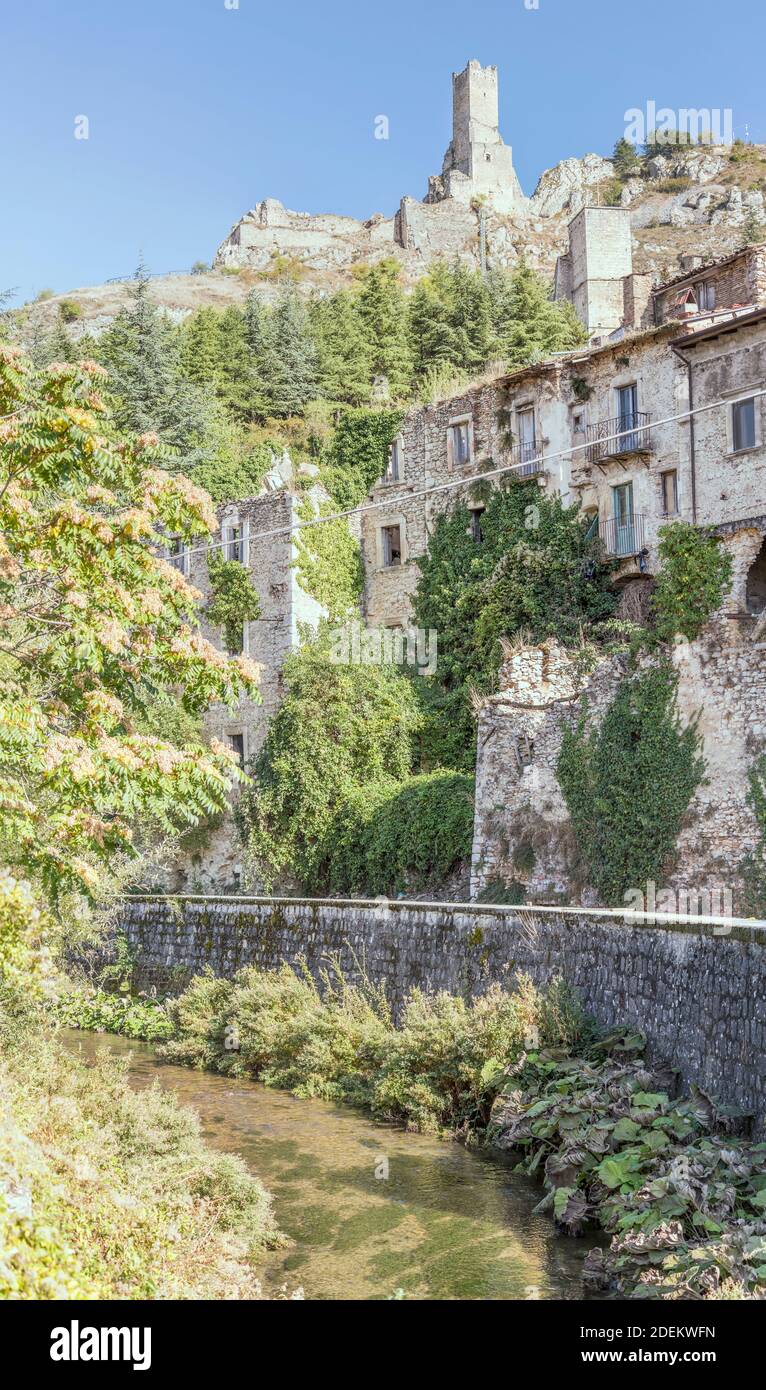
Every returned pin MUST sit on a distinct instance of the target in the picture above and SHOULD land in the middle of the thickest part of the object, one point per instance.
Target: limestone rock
(558, 186)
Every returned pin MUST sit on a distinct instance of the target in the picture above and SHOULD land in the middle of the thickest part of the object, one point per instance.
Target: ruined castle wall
(522, 834)
(699, 996)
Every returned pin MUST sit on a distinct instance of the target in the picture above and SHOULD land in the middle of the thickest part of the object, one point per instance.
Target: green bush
(440, 1069)
(340, 726)
(70, 310)
(127, 1200)
(392, 837)
(99, 1011)
(693, 578)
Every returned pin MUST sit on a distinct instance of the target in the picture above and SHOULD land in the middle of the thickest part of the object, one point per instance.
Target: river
(372, 1212)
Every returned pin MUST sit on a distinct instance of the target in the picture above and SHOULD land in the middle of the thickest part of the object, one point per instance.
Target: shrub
(391, 837)
(125, 1198)
(70, 310)
(440, 1069)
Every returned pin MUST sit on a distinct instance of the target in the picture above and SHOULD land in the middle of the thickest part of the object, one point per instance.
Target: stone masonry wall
(522, 835)
(700, 997)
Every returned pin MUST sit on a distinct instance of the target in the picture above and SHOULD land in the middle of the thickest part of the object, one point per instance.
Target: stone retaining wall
(697, 989)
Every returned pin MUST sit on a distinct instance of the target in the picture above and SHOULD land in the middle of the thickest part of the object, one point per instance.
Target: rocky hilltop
(689, 201)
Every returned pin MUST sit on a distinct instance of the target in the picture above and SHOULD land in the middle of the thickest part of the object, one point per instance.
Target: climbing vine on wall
(358, 454)
(694, 575)
(628, 782)
(234, 601)
(329, 563)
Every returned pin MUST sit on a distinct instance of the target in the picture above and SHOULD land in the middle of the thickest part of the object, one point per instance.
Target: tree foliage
(339, 727)
(695, 572)
(94, 628)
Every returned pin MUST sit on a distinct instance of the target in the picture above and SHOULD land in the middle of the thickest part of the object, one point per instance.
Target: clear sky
(197, 111)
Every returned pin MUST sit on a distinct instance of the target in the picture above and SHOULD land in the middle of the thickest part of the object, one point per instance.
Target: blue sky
(197, 111)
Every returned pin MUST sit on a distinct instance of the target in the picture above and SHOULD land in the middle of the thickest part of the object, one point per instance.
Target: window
(743, 424)
(623, 520)
(238, 647)
(704, 293)
(578, 422)
(669, 481)
(235, 542)
(525, 425)
(178, 556)
(627, 419)
(459, 440)
(393, 472)
(237, 745)
(476, 532)
(392, 546)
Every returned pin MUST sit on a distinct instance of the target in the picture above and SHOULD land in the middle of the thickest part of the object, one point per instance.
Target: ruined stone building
(608, 426)
(212, 858)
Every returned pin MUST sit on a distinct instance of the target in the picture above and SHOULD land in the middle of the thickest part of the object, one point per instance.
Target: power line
(528, 465)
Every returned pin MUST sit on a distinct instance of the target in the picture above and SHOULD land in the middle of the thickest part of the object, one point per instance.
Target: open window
(178, 555)
(235, 541)
(237, 745)
(395, 470)
(391, 546)
(477, 534)
(460, 443)
(669, 485)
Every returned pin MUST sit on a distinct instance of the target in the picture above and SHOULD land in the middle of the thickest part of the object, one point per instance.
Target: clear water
(372, 1210)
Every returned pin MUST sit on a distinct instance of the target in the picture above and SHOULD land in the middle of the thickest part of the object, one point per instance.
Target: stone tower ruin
(477, 165)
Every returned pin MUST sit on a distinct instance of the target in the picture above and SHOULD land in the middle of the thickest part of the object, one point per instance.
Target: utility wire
(404, 500)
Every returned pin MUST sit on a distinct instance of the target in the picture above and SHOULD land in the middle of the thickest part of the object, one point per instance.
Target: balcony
(526, 460)
(623, 537)
(615, 439)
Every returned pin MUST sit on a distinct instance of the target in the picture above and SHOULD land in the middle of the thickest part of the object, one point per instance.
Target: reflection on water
(372, 1210)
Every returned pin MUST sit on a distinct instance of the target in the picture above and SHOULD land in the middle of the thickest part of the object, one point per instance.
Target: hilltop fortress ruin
(477, 182)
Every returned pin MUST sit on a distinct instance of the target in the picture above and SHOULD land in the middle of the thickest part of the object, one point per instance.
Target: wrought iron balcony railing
(526, 460)
(623, 537)
(628, 434)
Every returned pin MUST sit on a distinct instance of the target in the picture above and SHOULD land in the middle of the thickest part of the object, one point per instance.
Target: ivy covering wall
(628, 781)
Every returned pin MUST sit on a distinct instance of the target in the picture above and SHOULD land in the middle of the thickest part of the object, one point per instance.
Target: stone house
(257, 532)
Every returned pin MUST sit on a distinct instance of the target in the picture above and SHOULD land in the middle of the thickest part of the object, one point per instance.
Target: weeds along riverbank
(675, 1183)
(110, 1194)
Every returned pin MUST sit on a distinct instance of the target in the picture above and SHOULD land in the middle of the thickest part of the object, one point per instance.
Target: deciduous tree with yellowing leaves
(94, 626)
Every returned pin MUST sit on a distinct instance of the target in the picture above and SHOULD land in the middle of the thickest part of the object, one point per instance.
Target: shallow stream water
(374, 1213)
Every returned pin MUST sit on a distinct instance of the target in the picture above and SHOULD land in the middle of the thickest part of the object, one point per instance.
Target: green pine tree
(343, 359)
(529, 324)
(290, 358)
(433, 340)
(625, 159)
(199, 351)
(147, 387)
(383, 309)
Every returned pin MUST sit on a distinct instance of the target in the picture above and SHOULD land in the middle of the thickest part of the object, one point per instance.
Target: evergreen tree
(529, 324)
(431, 321)
(237, 372)
(290, 359)
(383, 309)
(343, 358)
(625, 159)
(472, 318)
(147, 387)
(199, 351)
